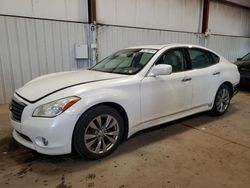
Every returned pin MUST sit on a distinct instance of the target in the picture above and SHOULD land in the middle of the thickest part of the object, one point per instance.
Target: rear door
(206, 75)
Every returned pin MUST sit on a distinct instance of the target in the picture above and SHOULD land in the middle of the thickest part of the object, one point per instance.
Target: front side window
(128, 61)
(202, 58)
(175, 58)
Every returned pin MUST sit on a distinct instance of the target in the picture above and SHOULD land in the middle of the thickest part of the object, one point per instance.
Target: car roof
(160, 46)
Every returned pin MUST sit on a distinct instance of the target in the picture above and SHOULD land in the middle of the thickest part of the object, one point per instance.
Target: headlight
(55, 108)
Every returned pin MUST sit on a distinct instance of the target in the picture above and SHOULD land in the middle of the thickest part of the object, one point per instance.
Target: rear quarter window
(215, 58)
(202, 58)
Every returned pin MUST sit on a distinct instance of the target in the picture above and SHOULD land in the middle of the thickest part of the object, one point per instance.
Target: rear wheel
(98, 132)
(222, 100)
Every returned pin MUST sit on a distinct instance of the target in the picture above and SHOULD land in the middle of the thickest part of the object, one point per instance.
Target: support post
(205, 16)
(92, 31)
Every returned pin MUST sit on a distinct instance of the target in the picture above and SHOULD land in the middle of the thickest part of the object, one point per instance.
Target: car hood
(51, 83)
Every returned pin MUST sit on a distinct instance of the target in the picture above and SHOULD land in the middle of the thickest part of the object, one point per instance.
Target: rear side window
(202, 58)
(215, 58)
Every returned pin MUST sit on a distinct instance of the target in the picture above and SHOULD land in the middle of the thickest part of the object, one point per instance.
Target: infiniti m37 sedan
(92, 111)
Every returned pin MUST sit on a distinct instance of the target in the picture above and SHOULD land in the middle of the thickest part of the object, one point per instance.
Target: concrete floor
(198, 151)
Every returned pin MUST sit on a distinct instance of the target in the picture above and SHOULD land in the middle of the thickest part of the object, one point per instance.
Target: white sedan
(91, 111)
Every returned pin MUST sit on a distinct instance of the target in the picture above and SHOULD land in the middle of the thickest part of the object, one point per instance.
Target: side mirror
(161, 69)
(239, 59)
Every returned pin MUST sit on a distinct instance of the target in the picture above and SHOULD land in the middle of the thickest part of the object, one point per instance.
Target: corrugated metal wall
(112, 38)
(70, 10)
(229, 20)
(230, 29)
(128, 23)
(178, 15)
(230, 47)
(33, 47)
(241, 2)
(117, 31)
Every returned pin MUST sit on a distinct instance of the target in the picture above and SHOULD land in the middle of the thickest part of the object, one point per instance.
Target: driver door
(168, 94)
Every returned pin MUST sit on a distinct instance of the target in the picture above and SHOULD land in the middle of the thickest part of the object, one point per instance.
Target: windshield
(128, 61)
(246, 57)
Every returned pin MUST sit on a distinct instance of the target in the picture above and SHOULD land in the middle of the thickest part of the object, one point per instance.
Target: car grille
(16, 108)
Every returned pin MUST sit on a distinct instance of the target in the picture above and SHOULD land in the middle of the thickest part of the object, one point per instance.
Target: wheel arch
(114, 105)
(123, 113)
(230, 85)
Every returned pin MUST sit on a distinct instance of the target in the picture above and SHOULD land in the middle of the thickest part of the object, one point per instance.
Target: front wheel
(222, 100)
(98, 132)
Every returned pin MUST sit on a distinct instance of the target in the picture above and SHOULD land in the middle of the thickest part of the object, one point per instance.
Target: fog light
(40, 141)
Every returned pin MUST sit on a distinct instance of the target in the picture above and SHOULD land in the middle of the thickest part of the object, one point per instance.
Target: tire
(92, 141)
(222, 100)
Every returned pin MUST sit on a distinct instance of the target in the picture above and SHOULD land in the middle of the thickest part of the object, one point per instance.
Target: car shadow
(12, 153)
(245, 87)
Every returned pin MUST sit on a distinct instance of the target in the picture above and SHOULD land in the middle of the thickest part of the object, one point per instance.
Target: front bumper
(57, 132)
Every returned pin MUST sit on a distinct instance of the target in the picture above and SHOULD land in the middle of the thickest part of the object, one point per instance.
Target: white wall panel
(240, 2)
(111, 38)
(180, 15)
(229, 20)
(230, 47)
(31, 47)
(73, 10)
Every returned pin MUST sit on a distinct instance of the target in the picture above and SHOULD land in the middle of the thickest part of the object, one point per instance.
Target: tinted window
(175, 58)
(201, 58)
(246, 57)
(215, 58)
(126, 61)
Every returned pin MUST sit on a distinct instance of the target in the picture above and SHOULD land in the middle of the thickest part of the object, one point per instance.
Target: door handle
(216, 73)
(186, 79)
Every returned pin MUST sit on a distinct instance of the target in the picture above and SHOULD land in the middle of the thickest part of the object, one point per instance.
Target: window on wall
(175, 58)
(202, 58)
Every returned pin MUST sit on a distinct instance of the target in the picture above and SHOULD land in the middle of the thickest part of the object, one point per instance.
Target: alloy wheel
(101, 134)
(223, 100)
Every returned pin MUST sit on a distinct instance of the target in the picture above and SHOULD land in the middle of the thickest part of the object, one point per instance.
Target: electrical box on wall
(81, 51)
